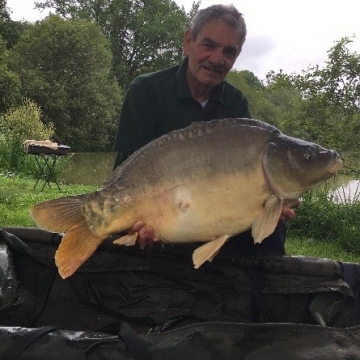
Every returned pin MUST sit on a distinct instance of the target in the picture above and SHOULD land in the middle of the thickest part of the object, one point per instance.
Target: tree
(338, 82)
(65, 68)
(260, 106)
(327, 107)
(145, 35)
(10, 30)
(281, 91)
(4, 11)
(16, 126)
(9, 83)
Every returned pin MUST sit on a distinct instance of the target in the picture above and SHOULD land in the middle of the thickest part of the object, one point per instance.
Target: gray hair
(226, 13)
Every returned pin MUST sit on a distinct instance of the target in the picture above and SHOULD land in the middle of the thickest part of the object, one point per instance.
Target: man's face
(212, 54)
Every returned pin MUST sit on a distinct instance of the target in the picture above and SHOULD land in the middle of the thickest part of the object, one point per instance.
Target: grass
(320, 229)
(17, 195)
(326, 225)
(309, 247)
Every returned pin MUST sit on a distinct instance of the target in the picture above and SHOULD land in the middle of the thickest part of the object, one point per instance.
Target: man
(160, 102)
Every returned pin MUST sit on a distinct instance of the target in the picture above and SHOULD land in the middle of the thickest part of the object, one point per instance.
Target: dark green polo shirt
(160, 102)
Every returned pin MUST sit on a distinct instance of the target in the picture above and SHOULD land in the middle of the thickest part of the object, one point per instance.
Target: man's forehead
(233, 47)
(220, 33)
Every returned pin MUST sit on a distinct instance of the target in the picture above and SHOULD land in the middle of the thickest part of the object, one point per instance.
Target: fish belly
(202, 211)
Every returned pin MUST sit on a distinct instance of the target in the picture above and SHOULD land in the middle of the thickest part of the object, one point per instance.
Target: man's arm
(136, 125)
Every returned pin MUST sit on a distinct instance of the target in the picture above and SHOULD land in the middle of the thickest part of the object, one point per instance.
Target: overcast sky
(282, 34)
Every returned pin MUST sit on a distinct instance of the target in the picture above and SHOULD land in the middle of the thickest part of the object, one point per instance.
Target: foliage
(16, 126)
(10, 30)
(322, 218)
(9, 82)
(335, 89)
(260, 106)
(338, 82)
(65, 67)
(325, 100)
(25, 123)
(145, 35)
(4, 11)
(293, 119)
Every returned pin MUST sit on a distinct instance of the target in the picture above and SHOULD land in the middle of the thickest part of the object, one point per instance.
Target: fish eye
(309, 154)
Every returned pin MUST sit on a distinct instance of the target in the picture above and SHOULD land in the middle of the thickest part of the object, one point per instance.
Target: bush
(328, 217)
(16, 126)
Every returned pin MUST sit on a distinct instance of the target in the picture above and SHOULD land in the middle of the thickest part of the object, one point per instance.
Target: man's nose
(217, 56)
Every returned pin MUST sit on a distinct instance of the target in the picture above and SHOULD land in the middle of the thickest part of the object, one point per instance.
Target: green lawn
(309, 247)
(17, 195)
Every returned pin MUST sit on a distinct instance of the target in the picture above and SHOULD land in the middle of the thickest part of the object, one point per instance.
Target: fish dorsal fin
(266, 221)
(208, 251)
(77, 245)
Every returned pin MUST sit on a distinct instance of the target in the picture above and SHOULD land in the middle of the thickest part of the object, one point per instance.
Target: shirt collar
(183, 90)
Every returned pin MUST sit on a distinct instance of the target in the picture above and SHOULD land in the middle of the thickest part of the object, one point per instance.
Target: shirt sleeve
(137, 124)
(243, 111)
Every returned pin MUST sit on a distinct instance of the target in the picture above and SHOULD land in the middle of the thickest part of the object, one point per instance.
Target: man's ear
(187, 42)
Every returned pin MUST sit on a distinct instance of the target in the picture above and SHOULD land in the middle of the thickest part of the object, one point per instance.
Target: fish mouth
(335, 167)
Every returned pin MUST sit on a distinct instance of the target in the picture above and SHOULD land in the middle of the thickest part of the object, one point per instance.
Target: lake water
(94, 168)
(88, 168)
(347, 190)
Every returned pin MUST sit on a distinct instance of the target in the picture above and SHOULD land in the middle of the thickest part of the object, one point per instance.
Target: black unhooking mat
(128, 303)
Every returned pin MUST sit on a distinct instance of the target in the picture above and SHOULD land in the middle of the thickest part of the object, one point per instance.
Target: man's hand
(287, 212)
(146, 234)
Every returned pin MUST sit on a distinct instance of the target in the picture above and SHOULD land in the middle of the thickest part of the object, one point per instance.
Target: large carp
(204, 183)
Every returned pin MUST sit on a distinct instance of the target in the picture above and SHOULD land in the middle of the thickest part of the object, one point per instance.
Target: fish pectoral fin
(208, 251)
(266, 222)
(77, 245)
(127, 240)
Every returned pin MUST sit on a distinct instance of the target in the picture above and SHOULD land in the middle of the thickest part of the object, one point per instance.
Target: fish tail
(64, 215)
(75, 248)
(58, 215)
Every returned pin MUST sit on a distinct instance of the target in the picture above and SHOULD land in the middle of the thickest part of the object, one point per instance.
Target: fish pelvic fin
(267, 220)
(58, 215)
(127, 240)
(208, 251)
(77, 245)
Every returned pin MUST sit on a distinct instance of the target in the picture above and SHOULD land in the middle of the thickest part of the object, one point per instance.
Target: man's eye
(230, 52)
(208, 46)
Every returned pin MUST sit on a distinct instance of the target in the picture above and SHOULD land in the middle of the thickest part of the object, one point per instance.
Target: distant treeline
(73, 69)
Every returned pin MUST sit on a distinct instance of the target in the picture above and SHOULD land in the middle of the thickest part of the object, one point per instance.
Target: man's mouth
(212, 69)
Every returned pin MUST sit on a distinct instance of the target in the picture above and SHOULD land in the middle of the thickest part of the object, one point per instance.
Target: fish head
(293, 166)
